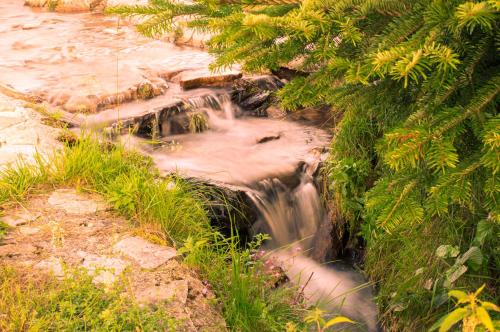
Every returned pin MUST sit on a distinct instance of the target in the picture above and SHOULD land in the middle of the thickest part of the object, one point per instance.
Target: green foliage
(31, 303)
(315, 317)
(417, 149)
(129, 181)
(471, 311)
(3, 229)
(198, 122)
(247, 292)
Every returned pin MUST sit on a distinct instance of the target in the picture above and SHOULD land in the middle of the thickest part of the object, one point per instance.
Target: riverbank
(73, 82)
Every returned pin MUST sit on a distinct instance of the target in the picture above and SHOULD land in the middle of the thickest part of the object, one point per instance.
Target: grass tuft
(169, 205)
(44, 303)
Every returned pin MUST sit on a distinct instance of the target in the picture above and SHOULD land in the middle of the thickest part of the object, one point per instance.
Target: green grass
(131, 183)
(409, 275)
(250, 301)
(43, 303)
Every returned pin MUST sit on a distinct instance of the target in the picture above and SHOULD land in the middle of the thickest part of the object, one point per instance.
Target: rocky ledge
(68, 229)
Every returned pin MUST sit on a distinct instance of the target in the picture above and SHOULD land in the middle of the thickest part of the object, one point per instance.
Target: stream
(64, 58)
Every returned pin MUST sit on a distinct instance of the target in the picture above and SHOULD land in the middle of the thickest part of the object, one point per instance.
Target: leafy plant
(416, 85)
(197, 122)
(469, 310)
(473, 258)
(315, 316)
(40, 303)
(3, 229)
(178, 210)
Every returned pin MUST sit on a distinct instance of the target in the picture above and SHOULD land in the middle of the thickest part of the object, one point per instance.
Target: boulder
(255, 94)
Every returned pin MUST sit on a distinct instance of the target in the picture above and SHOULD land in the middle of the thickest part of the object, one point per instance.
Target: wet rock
(35, 3)
(177, 124)
(275, 112)
(268, 138)
(81, 104)
(24, 135)
(32, 25)
(111, 3)
(204, 78)
(52, 264)
(107, 269)
(72, 202)
(256, 101)
(288, 73)
(175, 291)
(75, 6)
(318, 116)
(255, 94)
(146, 254)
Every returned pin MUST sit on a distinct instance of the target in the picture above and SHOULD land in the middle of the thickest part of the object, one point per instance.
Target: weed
(249, 303)
(315, 317)
(17, 180)
(42, 303)
(173, 206)
(197, 122)
(51, 118)
(4, 228)
(471, 311)
(52, 5)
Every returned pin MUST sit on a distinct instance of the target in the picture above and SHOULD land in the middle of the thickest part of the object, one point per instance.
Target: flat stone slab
(99, 60)
(26, 230)
(22, 134)
(73, 202)
(107, 268)
(52, 264)
(175, 291)
(19, 219)
(144, 253)
(203, 78)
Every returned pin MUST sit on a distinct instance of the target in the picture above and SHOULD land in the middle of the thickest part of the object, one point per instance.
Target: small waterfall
(212, 105)
(261, 157)
(290, 217)
(293, 218)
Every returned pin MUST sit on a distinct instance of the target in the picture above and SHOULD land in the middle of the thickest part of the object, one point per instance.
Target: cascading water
(293, 219)
(274, 163)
